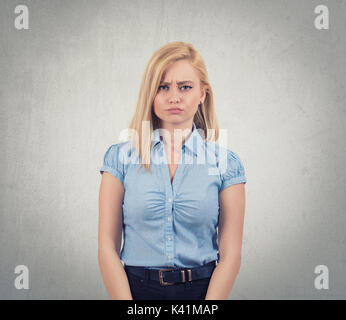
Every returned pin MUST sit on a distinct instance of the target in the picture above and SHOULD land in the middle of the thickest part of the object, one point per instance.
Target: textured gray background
(69, 85)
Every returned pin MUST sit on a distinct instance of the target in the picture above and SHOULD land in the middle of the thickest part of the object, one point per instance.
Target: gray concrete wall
(69, 84)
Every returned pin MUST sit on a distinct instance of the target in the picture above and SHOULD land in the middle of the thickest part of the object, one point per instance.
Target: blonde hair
(205, 117)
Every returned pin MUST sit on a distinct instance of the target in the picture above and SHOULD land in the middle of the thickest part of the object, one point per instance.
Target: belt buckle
(164, 283)
(189, 273)
(183, 275)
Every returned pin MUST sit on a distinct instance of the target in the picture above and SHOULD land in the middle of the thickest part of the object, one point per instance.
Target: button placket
(169, 227)
(170, 194)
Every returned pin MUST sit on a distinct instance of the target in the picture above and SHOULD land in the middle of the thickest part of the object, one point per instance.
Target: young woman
(176, 196)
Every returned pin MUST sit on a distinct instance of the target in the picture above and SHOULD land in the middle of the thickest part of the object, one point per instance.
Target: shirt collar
(189, 143)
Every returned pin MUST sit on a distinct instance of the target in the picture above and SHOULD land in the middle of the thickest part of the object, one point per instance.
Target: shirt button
(169, 238)
(169, 256)
(169, 219)
(170, 200)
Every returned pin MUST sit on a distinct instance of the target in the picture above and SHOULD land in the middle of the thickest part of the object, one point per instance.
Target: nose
(174, 95)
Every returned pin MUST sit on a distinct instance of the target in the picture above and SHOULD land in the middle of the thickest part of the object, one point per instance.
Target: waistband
(169, 276)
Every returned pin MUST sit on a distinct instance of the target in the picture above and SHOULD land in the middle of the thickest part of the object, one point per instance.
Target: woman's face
(179, 88)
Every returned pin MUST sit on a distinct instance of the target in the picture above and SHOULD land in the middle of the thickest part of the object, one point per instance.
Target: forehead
(179, 71)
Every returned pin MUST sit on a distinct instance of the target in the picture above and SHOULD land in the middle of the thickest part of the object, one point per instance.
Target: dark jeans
(146, 289)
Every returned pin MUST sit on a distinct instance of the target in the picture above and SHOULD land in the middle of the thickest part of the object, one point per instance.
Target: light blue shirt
(172, 224)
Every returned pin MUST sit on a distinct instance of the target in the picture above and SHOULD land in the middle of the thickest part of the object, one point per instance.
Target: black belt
(169, 276)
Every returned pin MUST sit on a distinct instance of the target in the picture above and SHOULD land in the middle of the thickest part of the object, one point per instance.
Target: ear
(203, 94)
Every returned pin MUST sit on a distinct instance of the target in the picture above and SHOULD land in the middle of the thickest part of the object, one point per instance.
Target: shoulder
(119, 151)
(222, 154)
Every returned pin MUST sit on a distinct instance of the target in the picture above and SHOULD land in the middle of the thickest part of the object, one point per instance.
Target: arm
(109, 238)
(230, 234)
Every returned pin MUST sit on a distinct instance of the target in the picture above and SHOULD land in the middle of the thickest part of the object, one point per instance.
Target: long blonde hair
(205, 117)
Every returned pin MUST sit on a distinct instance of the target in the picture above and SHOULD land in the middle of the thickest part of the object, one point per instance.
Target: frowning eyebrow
(178, 82)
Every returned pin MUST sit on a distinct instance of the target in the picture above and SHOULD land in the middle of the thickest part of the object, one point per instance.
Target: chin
(176, 120)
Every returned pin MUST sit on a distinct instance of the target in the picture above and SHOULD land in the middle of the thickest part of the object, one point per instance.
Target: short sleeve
(112, 162)
(234, 173)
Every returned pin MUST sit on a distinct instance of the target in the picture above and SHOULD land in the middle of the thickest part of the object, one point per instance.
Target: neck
(174, 137)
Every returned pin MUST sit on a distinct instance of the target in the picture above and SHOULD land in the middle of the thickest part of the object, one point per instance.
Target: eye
(186, 87)
(159, 89)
